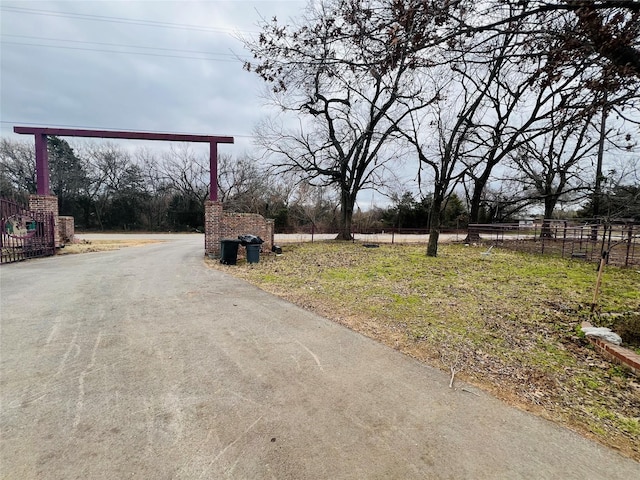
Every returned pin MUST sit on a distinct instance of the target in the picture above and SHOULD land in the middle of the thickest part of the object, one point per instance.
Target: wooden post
(596, 293)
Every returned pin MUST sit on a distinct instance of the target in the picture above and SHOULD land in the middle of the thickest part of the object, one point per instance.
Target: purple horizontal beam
(42, 166)
(170, 137)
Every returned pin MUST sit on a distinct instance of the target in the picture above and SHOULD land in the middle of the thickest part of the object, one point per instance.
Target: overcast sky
(165, 66)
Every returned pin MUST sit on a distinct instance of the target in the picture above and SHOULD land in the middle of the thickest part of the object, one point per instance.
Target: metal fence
(586, 241)
(25, 234)
(381, 235)
(620, 242)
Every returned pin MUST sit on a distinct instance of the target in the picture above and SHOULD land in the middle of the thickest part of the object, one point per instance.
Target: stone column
(47, 204)
(212, 228)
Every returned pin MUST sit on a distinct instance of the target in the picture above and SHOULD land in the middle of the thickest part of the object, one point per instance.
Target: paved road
(284, 238)
(143, 363)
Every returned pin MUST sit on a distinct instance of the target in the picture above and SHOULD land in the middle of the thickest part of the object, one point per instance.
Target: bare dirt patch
(507, 322)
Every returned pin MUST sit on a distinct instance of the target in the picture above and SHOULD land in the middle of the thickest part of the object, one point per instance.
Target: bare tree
(243, 186)
(445, 135)
(517, 110)
(343, 72)
(602, 33)
(157, 189)
(17, 169)
(503, 202)
(112, 171)
(317, 205)
(186, 172)
(549, 166)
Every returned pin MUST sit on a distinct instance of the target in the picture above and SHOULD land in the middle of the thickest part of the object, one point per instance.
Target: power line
(123, 20)
(66, 47)
(29, 37)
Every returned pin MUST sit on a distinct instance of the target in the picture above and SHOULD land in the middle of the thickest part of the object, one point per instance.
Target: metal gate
(25, 234)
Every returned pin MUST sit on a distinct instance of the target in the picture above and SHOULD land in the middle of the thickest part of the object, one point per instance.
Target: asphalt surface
(144, 363)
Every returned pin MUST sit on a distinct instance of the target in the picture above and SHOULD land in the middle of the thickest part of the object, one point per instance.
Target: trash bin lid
(250, 239)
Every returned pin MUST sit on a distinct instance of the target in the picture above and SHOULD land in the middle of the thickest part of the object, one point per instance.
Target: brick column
(66, 228)
(212, 228)
(269, 237)
(47, 204)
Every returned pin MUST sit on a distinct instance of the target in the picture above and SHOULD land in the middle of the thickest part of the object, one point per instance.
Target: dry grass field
(88, 246)
(507, 322)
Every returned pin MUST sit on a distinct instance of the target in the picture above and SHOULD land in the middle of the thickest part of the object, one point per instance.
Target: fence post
(629, 238)
(604, 240)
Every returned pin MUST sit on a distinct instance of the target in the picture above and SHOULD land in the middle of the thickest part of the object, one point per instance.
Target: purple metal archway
(42, 162)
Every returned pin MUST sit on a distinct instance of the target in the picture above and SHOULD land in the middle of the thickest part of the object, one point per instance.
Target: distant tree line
(105, 187)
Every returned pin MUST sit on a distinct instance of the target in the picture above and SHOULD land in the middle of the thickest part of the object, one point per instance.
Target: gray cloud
(83, 65)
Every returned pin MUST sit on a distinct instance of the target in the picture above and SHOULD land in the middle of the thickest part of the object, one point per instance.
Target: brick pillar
(212, 228)
(47, 204)
(270, 226)
(66, 228)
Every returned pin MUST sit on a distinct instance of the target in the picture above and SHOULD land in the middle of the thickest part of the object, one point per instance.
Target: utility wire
(122, 51)
(29, 37)
(124, 20)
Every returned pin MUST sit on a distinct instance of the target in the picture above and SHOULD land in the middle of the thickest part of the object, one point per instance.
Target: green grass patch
(508, 321)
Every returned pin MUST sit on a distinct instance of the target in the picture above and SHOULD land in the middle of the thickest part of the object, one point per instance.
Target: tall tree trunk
(436, 220)
(347, 202)
(474, 210)
(597, 191)
(549, 206)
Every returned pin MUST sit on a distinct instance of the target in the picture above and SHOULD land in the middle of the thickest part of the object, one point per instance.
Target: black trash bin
(253, 253)
(229, 251)
(253, 244)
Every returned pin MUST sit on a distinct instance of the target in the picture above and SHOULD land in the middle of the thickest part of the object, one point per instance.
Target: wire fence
(391, 235)
(589, 241)
(619, 242)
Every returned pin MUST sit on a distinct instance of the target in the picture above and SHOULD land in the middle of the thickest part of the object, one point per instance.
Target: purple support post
(213, 171)
(42, 165)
